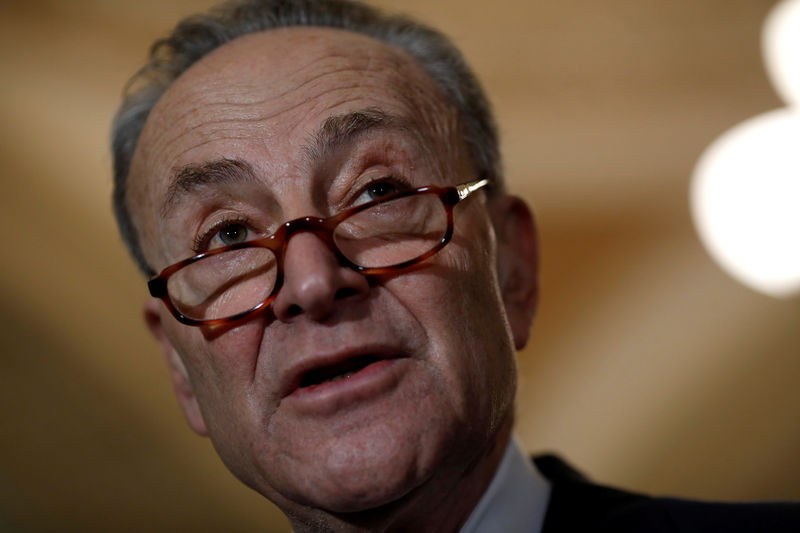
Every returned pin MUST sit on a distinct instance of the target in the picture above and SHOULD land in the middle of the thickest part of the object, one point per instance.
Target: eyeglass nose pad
(318, 226)
(315, 279)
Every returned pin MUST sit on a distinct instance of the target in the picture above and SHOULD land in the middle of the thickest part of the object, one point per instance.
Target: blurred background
(649, 367)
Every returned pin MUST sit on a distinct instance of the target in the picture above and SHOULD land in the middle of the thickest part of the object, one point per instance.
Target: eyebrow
(338, 130)
(194, 177)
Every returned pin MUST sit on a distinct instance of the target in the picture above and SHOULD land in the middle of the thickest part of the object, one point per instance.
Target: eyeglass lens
(384, 235)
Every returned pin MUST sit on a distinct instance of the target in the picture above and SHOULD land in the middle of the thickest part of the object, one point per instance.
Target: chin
(368, 468)
(360, 496)
(359, 477)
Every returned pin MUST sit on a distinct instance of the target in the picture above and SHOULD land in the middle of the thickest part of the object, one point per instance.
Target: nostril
(315, 283)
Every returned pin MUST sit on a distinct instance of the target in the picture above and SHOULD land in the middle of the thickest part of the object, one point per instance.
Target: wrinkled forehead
(262, 96)
(275, 87)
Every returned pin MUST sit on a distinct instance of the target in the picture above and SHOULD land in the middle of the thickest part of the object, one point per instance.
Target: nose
(314, 282)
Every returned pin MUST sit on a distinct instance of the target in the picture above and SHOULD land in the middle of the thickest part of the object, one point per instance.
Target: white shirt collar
(516, 500)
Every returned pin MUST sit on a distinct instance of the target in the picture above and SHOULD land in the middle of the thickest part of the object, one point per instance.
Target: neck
(442, 504)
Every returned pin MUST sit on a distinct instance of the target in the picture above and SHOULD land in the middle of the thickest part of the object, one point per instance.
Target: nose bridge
(319, 228)
(313, 279)
(316, 225)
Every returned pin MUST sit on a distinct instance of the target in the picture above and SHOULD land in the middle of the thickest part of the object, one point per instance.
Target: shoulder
(577, 504)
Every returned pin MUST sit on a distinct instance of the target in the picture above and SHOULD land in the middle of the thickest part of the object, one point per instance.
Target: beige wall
(648, 367)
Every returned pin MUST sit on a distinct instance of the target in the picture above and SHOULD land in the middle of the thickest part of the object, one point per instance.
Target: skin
(414, 443)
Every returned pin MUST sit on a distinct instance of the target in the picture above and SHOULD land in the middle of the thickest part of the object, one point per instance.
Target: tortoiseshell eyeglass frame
(322, 227)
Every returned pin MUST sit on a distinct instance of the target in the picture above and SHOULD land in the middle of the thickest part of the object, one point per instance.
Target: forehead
(261, 96)
(262, 90)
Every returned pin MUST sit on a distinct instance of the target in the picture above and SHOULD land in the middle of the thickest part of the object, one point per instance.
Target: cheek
(456, 300)
(222, 371)
(221, 366)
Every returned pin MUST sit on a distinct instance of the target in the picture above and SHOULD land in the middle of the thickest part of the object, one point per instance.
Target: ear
(517, 263)
(181, 383)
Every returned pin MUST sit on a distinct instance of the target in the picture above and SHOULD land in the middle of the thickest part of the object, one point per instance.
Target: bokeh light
(781, 49)
(745, 194)
(746, 202)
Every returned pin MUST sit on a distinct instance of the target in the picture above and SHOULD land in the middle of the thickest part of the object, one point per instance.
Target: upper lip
(293, 378)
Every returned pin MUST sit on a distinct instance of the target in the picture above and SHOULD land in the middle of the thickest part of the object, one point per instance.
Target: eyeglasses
(382, 236)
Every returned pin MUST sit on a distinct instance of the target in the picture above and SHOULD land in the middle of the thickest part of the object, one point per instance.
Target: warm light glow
(745, 193)
(746, 202)
(781, 46)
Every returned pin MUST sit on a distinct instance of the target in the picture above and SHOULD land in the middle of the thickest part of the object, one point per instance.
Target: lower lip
(371, 381)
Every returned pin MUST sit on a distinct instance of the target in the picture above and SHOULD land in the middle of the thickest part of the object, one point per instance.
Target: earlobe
(181, 383)
(517, 264)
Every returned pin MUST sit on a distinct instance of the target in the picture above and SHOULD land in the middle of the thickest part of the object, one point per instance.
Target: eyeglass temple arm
(466, 189)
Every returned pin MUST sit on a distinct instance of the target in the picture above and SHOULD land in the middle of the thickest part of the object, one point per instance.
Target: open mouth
(338, 371)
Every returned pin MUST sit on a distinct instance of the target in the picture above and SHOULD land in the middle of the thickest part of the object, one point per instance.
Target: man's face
(439, 378)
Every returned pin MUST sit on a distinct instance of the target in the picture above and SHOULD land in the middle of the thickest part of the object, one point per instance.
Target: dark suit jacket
(578, 505)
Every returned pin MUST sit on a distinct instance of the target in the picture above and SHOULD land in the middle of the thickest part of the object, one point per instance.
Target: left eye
(375, 191)
(232, 234)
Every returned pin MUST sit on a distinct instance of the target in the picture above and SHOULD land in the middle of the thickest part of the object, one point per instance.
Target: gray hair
(196, 36)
